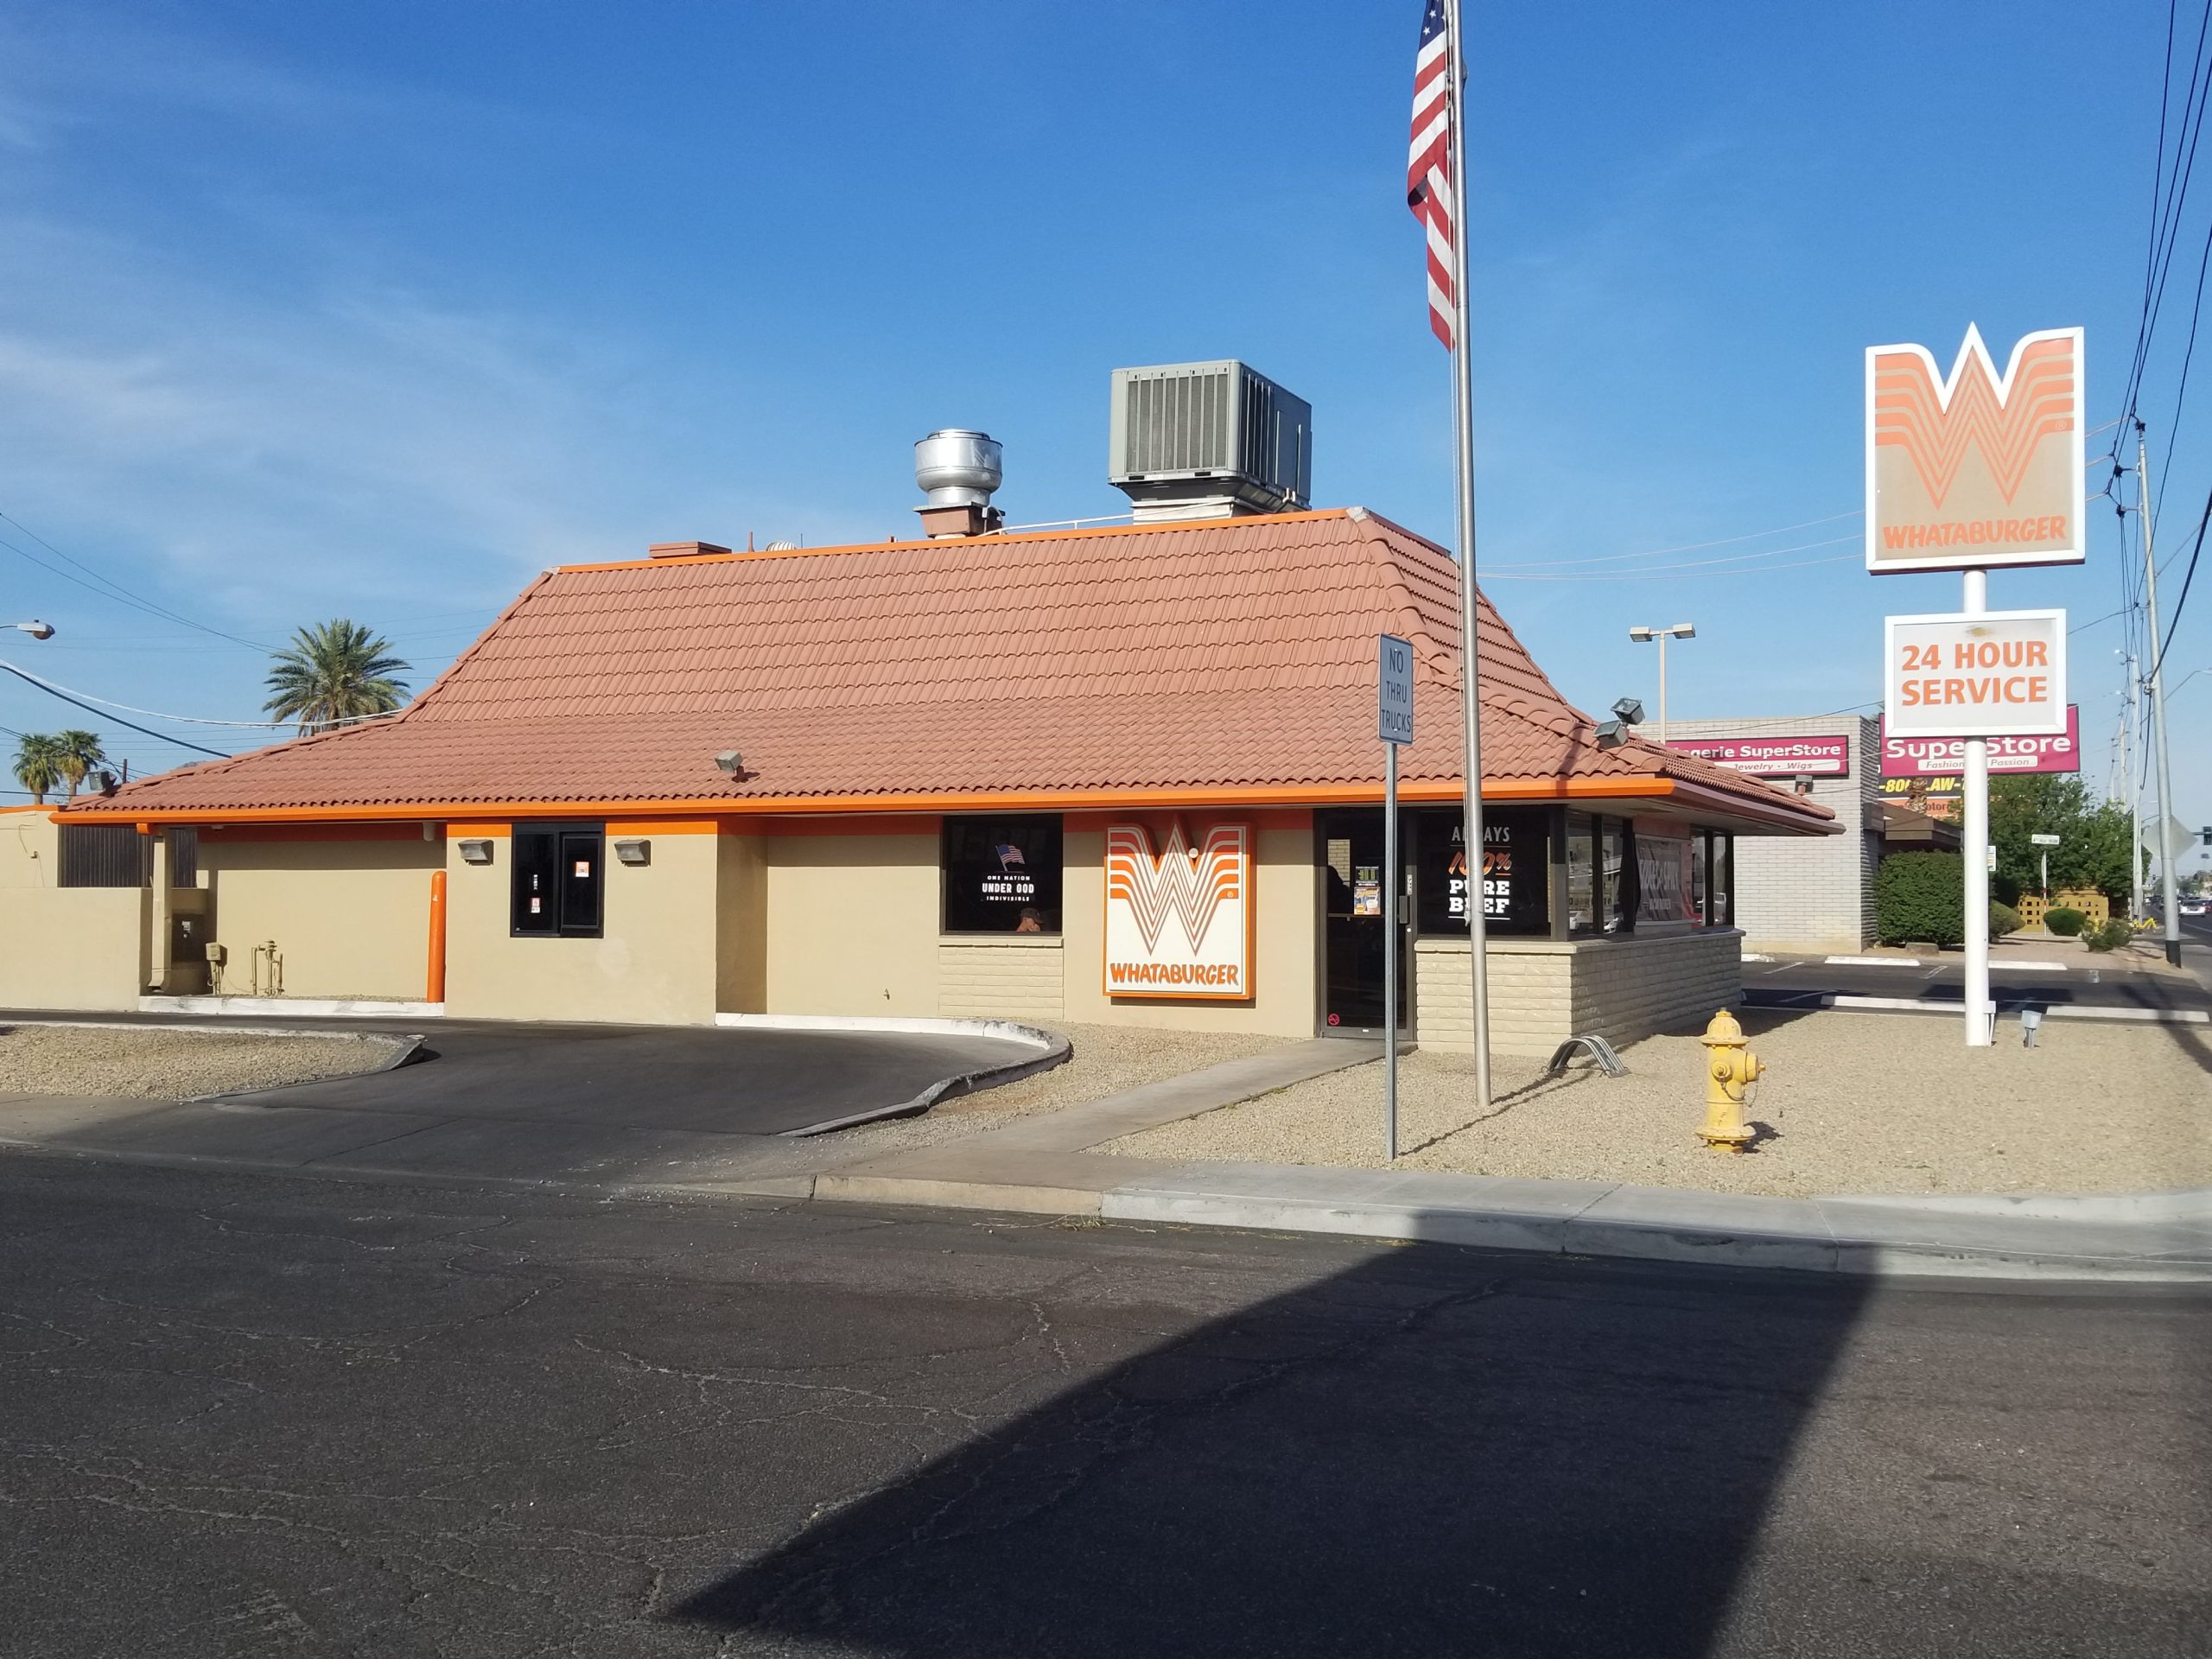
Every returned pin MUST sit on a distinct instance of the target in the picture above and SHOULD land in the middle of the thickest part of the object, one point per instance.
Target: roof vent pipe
(959, 469)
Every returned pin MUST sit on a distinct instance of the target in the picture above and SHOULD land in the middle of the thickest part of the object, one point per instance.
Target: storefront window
(1619, 876)
(1667, 880)
(1517, 876)
(1720, 886)
(1001, 874)
(555, 892)
(1581, 899)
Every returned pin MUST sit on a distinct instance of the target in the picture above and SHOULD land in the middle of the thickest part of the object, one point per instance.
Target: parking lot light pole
(1645, 636)
(37, 630)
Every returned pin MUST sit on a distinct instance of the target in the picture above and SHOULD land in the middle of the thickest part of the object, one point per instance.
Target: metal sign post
(1394, 720)
(2046, 843)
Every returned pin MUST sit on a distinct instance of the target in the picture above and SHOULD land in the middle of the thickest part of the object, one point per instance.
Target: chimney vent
(682, 550)
(1209, 441)
(959, 469)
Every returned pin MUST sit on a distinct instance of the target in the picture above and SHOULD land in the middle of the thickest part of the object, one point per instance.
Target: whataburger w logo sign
(1975, 468)
(1179, 924)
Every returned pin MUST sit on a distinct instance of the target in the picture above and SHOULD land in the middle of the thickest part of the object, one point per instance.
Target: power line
(1689, 575)
(188, 720)
(115, 593)
(31, 679)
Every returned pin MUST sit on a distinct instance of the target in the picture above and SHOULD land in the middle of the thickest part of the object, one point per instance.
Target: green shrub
(2110, 937)
(2064, 921)
(2004, 919)
(1919, 897)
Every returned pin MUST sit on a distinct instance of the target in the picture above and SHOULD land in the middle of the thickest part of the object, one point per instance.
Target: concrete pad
(1096, 1121)
(978, 1175)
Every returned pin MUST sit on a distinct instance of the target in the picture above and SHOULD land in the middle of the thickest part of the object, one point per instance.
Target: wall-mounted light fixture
(633, 851)
(475, 850)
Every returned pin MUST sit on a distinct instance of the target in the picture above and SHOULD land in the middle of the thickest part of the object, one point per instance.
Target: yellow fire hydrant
(1730, 1069)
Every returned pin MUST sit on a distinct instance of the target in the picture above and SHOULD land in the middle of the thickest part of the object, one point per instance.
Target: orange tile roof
(1231, 659)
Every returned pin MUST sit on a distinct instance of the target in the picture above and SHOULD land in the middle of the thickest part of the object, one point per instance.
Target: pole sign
(1394, 698)
(1987, 674)
(1977, 469)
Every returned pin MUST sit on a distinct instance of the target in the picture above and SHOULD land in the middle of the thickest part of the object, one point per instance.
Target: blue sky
(377, 310)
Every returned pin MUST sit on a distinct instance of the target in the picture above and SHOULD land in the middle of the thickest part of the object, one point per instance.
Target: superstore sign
(1772, 756)
(1945, 758)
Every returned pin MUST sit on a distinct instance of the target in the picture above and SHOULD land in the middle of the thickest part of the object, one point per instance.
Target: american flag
(1428, 164)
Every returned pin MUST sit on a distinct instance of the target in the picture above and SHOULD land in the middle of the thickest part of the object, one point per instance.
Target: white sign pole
(1394, 720)
(1980, 1021)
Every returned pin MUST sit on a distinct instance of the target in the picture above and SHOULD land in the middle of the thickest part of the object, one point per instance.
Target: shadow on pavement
(1355, 1468)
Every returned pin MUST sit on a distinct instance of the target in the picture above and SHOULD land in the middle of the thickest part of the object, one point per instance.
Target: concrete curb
(1575, 1218)
(915, 1025)
(1784, 1001)
(1056, 1050)
(304, 1007)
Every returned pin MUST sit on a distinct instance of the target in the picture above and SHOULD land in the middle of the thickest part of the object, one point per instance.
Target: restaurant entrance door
(1352, 918)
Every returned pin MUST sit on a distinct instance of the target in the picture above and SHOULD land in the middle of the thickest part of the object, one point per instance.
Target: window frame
(561, 834)
(1053, 917)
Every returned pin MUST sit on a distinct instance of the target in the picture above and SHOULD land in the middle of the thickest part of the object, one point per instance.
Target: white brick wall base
(1543, 991)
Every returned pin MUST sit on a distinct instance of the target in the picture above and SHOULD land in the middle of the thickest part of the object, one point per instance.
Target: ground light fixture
(1644, 637)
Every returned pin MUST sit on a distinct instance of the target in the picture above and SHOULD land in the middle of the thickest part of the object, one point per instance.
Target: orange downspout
(437, 986)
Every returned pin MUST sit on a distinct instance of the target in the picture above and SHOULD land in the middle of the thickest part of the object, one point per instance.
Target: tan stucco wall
(741, 925)
(853, 923)
(29, 850)
(71, 948)
(1286, 892)
(1543, 991)
(351, 918)
(656, 961)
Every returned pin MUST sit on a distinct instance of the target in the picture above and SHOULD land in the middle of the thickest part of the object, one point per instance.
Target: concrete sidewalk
(1044, 1164)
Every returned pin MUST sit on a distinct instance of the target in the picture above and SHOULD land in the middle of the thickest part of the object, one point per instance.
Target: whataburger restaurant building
(1122, 775)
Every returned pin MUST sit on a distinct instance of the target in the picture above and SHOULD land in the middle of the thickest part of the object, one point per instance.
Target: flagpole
(1463, 468)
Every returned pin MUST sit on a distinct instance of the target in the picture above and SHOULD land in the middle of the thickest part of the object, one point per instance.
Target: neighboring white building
(1818, 895)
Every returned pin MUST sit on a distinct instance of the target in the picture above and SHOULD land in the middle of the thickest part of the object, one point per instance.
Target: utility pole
(2134, 794)
(2169, 900)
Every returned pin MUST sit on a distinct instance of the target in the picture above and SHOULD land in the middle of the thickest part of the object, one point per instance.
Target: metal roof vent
(1209, 441)
(959, 469)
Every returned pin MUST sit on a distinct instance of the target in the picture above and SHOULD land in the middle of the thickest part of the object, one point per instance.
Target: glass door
(1352, 920)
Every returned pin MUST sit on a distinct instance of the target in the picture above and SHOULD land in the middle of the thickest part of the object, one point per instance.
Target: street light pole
(1645, 636)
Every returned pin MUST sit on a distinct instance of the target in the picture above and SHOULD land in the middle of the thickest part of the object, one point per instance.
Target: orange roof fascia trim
(1073, 800)
(1306, 518)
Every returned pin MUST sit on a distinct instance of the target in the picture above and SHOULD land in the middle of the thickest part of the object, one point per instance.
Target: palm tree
(333, 673)
(38, 765)
(77, 753)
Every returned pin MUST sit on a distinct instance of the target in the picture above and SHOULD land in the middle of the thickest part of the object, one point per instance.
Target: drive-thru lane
(2082, 980)
(704, 1080)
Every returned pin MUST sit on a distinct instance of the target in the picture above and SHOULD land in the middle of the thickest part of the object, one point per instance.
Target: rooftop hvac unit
(1208, 441)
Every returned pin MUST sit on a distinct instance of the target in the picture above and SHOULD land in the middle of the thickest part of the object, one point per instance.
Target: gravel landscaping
(162, 1062)
(1105, 1060)
(1852, 1103)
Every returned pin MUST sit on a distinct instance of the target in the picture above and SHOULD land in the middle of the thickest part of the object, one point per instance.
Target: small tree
(1921, 897)
(38, 765)
(77, 753)
(337, 672)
